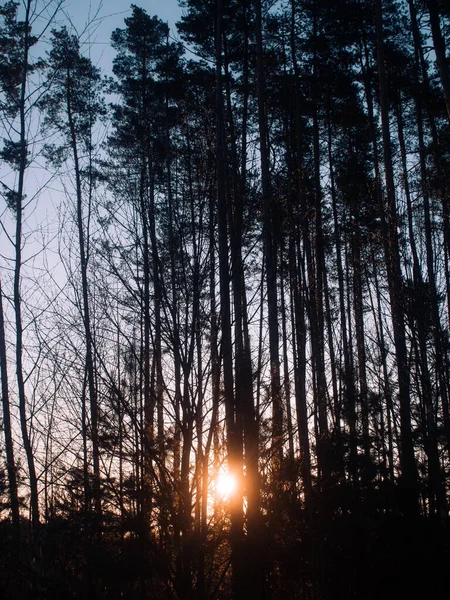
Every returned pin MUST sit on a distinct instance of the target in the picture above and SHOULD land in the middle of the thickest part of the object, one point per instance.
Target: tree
(10, 459)
(392, 257)
(260, 285)
(73, 105)
(18, 100)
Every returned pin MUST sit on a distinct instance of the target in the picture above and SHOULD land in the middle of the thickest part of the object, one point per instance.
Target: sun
(226, 485)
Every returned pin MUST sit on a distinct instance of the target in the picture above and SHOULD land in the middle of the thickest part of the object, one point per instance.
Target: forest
(225, 303)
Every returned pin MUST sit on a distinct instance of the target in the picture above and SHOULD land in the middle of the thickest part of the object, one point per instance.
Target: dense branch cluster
(234, 264)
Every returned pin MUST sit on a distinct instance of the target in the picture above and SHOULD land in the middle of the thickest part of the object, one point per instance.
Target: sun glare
(226, 485)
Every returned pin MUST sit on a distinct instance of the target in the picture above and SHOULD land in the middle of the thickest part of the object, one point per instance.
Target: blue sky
(105, 16)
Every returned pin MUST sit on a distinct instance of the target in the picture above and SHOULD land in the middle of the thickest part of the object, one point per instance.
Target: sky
(95, 20)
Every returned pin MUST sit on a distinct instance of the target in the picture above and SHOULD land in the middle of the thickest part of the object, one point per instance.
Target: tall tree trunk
(409, 490)
(245, 408)
(387, 415)
(439, 49)
(317, 276)
(349, 382)
(422, 79)
(298, 284)
(437, 492)
(9, 446)
(284, 281)
(24, 423)
(359, 327)
(234, 442)
(270, 250)
(298, 288)
(86, 306)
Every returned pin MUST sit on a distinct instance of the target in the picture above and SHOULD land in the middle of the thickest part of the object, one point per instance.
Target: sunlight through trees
(225, 303)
